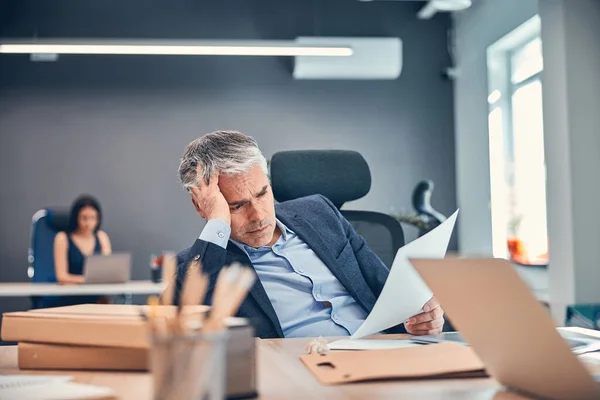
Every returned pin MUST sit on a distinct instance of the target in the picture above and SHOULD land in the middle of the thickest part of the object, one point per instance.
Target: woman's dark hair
(79, 203)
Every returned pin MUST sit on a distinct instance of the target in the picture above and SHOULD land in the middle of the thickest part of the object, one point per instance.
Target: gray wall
(116, 126)
(476, 29)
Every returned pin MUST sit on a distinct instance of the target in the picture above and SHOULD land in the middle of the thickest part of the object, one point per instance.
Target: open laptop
(579, 343)
(507, 327)
(115, 268)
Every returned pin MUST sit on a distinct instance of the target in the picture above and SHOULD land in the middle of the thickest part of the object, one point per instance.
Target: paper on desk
(405, 293)
(371, 344)
(14, 381)
(49, 387)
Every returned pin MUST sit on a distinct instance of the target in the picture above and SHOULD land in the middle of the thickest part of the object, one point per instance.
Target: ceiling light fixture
(172, 47)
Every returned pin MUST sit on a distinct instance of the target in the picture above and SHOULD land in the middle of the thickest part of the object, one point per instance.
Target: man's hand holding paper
(429, 322)
(405, 295)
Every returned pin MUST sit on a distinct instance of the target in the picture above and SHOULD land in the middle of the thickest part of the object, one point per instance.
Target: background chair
(421, 200)
(341, 176)
(45, 225)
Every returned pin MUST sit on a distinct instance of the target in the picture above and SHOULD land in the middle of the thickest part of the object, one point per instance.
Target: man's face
(252, 207)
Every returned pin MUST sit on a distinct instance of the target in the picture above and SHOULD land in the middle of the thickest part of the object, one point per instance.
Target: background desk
(54, 289)
(281, 375)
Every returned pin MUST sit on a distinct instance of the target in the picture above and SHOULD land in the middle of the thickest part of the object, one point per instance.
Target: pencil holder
(189, 366)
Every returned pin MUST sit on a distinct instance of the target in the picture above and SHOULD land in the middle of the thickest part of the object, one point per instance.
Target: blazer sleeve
(372, 268)
(212, 258)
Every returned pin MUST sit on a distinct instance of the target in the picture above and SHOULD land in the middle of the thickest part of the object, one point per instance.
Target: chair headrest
(58, 218)
(339, 175)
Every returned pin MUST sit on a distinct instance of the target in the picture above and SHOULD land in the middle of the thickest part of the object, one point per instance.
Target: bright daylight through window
(517, 163)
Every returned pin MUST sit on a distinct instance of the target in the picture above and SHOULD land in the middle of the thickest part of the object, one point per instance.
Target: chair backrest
(45, 225)
(383, 233)
(421, 200)
(341, 176)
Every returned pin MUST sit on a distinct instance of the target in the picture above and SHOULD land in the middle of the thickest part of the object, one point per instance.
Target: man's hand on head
(429, 322)
(208, 199)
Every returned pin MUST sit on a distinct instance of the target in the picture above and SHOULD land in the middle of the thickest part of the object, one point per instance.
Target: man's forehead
(243, 181)
(242, 184)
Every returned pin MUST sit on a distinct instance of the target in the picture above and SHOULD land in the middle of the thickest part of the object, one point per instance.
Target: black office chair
(341, 176)
(421, 200)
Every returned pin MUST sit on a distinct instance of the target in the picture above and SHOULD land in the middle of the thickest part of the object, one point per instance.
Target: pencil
(169, 277)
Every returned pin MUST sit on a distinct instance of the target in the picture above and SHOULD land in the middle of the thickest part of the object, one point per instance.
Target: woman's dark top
(76, 258)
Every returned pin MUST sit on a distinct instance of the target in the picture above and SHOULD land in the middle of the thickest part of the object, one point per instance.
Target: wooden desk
(281, 375)
(26, 289)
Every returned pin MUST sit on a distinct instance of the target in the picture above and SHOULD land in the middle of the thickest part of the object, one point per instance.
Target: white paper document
(15, 381)
(405, 293)
(49, 387)
(371, 344)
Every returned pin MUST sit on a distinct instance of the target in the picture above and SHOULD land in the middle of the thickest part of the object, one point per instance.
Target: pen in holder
(188, 351)
(189, 366)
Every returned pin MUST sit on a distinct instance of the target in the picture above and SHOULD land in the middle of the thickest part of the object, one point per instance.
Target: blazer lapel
(313, 238)
(235, 254)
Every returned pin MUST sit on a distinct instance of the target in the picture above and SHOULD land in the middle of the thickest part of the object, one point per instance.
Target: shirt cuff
(216, 231)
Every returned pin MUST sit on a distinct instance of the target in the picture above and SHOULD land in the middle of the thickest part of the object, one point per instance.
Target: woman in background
(82, 239)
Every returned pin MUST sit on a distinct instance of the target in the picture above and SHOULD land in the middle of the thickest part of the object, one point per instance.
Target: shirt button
(334, 316)
(300, 270)
(317, 297)
(220, 234)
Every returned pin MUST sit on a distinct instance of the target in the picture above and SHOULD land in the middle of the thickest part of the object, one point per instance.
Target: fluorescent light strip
(175, 49)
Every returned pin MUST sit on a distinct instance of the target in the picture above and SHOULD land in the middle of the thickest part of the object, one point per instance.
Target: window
(527, 61)
(517, 162)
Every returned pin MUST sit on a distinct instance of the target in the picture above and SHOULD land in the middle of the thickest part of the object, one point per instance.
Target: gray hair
(229, 152)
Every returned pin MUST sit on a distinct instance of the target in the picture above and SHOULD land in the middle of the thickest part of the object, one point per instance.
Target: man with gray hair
(316, 275)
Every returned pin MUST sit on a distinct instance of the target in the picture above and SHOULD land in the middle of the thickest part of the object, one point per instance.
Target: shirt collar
(285, 232)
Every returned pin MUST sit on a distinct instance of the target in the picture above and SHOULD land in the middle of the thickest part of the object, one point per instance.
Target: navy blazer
(333, 239)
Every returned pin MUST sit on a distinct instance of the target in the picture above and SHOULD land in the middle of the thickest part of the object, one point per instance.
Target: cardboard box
(114, 337)
(62, 356)
(109, 325)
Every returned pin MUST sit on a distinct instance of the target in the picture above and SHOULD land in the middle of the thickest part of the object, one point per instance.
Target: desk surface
(281, 375)
(55, 289)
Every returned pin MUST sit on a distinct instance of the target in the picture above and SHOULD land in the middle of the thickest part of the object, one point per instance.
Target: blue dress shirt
(307, 298)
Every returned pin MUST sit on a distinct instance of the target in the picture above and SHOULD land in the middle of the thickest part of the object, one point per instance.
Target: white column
(571, 85)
